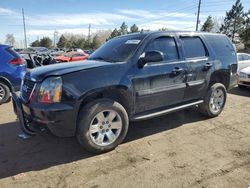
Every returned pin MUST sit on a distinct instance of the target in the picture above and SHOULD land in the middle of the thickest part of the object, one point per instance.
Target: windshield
(118, 49)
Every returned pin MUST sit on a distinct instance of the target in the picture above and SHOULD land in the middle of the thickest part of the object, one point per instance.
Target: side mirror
(150, 57)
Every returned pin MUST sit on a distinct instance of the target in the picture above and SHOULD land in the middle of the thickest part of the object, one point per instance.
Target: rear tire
(102, 125)
(214, 100)
(4, 93)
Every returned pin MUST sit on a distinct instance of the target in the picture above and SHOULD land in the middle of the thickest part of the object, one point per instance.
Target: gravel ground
(183, 149)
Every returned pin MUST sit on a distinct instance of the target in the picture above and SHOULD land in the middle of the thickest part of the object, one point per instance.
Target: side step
(166, 111)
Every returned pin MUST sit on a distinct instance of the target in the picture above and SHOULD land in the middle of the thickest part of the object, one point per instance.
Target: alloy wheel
(105, 127)
(217, 100)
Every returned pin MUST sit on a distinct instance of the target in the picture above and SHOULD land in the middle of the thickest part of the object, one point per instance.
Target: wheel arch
(6, 82)
(221, 76)
(120, 94)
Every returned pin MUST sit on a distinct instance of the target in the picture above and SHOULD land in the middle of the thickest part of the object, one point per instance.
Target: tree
(46, 42)
(208, 25)
(96, 43)
(123, 29)
(10, 39)
(62, 42)
(35, 43)
(234, 21)
(114, 34)
(134, 29)
(245, 34)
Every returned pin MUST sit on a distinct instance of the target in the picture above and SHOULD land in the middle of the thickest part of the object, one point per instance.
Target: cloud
(50, 32)
(98, 18)
(5, 11)
(171, 25)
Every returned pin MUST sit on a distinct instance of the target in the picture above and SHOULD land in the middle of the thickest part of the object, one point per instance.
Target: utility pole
(24, 29)
(89, 35)
(198, 16)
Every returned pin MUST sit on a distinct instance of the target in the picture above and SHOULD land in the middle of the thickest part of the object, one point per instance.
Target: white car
(244, 78)
(243, 61)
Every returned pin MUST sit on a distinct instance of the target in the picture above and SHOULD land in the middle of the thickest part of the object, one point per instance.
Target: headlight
(50, 90)
(243, 75)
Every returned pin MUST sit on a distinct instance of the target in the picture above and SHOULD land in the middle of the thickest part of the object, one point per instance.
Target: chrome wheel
(2, 93)
(217, 100)
(105, 127)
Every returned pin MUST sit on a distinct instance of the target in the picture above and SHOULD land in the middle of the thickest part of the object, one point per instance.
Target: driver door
(160, 84)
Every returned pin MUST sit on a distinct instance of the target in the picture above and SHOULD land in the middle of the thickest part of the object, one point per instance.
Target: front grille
(27, 89)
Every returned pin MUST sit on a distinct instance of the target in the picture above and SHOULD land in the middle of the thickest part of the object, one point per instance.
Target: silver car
(244, 78)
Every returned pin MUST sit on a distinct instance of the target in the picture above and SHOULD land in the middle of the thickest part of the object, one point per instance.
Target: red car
(72, 56)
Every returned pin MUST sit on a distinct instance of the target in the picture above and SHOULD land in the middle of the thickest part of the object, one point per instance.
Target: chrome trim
(155, 114)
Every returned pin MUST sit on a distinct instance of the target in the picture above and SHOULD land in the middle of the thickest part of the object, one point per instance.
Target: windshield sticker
(133, 42)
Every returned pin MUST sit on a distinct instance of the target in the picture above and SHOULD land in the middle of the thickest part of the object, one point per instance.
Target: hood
(246, 70)
(38, 74)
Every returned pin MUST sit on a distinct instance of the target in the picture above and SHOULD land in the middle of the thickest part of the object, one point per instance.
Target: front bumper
(59, 119)
(244, 81)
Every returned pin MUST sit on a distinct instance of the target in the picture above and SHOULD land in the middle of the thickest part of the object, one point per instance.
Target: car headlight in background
(243, 75)
(50, 90)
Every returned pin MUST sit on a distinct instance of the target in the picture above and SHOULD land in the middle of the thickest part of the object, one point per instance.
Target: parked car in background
(57, 51)
(243, 61)
(72, 56)
(89, 51)
(74, 50)
(37, 50)
(34, 60)
(244, 78)
(130, 78)
(12, 70)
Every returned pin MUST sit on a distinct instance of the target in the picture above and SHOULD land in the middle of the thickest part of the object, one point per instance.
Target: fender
(119, 93)
(7, 82)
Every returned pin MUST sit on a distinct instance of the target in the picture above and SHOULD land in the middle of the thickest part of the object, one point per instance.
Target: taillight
(17, 61)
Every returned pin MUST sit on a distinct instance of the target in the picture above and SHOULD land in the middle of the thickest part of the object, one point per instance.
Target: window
(166, 45)
(246, 57)
(193, 47)
(240, 57)
(118, 49)
(221, 45)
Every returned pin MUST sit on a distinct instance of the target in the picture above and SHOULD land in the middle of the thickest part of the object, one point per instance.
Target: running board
(166, 111)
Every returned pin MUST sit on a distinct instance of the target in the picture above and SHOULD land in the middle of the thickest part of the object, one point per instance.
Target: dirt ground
(182, 149)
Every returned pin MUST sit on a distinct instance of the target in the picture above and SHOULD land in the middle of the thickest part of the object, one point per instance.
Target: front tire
(102, 125)
(4, 93)
(214, 100)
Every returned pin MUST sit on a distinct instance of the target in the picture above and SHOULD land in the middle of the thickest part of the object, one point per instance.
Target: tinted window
(118, 49)
(221, 45)
(193, 47)
(166, 45)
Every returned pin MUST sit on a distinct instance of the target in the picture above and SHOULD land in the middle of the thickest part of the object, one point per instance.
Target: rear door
(196, 57)
(160, 84)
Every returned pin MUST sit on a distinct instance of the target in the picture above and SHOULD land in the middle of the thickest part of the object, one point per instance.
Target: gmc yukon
(130, 78)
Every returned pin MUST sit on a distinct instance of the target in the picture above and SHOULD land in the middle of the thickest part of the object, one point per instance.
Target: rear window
(13, 52)
(220, 44)
(193, 47)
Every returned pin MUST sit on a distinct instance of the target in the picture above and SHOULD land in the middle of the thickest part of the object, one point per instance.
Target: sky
(43, 17)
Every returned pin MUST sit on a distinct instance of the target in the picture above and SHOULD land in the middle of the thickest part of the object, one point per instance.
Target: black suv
(132, 77)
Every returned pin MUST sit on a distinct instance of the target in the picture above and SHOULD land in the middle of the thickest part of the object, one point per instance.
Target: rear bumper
(59, 119)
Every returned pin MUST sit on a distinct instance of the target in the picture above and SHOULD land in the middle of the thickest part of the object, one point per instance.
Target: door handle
(176, 71)
(207, 66)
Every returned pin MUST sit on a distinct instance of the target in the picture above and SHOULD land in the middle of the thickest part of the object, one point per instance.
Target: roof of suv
(147, 33)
